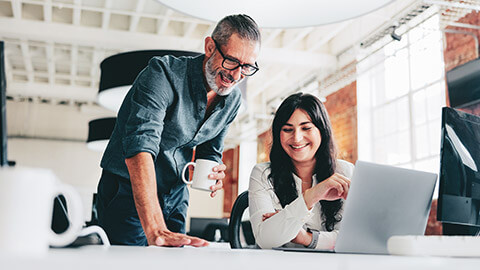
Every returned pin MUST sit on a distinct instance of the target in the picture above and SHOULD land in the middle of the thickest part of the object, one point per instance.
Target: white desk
(224, 258)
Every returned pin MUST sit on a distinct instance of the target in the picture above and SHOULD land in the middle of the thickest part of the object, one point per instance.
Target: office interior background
(380, 75)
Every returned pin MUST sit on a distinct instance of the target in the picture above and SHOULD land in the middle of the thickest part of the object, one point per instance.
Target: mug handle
(183, 172)
(75, 217)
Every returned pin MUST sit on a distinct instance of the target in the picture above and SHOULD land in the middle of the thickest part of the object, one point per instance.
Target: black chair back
(236, 225)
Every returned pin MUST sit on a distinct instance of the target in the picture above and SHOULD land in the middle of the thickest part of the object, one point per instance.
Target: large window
(400, 93)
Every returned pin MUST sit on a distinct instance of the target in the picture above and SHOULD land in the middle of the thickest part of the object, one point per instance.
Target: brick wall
(230, 182)
(342, 110)
(460, 48)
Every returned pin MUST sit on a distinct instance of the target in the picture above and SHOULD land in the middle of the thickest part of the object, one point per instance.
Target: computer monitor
(459, 189)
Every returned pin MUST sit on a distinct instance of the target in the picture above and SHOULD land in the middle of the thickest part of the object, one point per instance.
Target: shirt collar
(298, 181)
(196, 77)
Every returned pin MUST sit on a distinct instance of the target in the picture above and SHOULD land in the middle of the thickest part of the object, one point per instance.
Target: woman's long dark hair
(281, 165)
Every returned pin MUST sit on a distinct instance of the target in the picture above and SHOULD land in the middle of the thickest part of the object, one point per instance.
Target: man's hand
(170, 239)
(218, 174)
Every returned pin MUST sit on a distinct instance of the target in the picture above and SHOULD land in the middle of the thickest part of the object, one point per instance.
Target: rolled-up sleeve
(283, 226)
(149, 101)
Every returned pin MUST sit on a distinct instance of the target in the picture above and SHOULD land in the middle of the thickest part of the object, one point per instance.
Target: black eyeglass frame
(255, 68)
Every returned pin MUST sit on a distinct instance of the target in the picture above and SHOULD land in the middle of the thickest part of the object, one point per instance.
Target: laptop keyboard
(435, 245)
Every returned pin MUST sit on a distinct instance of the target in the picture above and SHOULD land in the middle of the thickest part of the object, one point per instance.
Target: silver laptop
(383, 201)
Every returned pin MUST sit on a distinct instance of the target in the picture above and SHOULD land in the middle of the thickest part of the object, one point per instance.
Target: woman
(296, 199)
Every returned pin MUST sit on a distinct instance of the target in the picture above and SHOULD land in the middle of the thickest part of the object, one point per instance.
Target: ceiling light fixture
(99, 132)
(118, 72)
(279, 13)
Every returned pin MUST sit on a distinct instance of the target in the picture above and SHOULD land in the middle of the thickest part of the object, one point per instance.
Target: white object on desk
(26, 206)
(435, 245)
(94, 229)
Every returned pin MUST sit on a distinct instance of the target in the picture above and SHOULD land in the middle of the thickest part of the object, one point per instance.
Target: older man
(174, 105)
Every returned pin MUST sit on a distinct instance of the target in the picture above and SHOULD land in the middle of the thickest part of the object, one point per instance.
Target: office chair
(206, 228)
(236, 224)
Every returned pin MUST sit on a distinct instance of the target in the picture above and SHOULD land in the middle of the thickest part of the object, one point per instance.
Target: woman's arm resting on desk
(303, 237)
(326, 240)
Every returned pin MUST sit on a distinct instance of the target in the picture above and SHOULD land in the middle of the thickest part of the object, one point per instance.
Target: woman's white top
(284, 226)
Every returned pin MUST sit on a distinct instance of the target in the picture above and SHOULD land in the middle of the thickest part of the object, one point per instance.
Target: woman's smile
(300, 138)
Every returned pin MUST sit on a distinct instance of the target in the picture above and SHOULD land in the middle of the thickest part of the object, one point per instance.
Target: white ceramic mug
(200, 180)
(26, 207)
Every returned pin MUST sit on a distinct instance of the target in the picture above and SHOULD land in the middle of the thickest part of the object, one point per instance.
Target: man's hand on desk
(170, 239)
(218, 174)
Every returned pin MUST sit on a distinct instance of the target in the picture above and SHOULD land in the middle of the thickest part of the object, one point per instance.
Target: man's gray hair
(241, 24)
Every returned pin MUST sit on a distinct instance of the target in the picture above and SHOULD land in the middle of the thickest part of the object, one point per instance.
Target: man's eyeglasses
(232, 64)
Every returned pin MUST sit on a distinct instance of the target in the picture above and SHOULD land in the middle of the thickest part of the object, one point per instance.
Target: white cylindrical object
(26, 207)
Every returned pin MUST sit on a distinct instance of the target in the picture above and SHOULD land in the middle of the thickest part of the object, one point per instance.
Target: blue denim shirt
(164, 114)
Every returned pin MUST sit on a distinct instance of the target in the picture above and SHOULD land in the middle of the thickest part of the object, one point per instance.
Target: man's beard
(211, 74)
